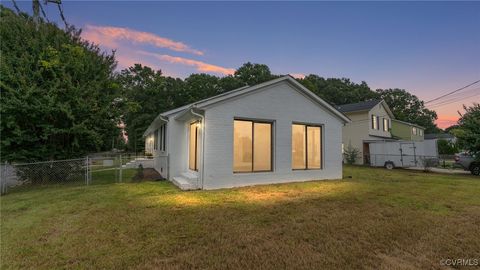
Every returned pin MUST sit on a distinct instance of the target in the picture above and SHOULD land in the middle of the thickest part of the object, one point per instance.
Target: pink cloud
(200, 66)
(297, 75)
(109, 36)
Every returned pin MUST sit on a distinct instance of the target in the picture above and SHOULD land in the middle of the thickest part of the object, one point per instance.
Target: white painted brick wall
(283, 104)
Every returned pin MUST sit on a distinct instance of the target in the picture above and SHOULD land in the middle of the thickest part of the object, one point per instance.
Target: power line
(454, 91)
(453, 101)
(457, 96)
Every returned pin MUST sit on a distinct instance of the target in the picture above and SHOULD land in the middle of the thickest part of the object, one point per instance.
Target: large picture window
(252, 146)
(306, 147)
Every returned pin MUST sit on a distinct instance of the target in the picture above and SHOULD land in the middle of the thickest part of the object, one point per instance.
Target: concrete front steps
(186, 181)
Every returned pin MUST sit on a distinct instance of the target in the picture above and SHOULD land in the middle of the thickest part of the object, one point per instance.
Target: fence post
(120, 176)
(87, 169)
(3, 179)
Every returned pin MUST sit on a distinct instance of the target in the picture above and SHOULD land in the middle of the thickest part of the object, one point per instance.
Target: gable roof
(359, 106)
(249, 89)
(364, 106)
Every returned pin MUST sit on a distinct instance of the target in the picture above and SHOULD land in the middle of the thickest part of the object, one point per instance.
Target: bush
(351, 154)
(446, 148)
(51, 172)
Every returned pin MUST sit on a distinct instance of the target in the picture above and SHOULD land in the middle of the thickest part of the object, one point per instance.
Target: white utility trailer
(391, 154)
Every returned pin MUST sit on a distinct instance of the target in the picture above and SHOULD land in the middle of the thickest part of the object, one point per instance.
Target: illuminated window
(306, 147)
(193, 146)
(252, 146)
(385, 124)
(374, 122)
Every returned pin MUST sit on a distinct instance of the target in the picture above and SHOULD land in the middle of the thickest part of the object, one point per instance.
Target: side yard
(377, 219)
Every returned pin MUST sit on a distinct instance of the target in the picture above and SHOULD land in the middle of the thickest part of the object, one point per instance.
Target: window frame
(385, 125)
(195, 165)
(253, 121)
(306, 125)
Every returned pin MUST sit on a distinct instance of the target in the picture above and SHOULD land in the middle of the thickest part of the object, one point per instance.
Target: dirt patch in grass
(377, 220)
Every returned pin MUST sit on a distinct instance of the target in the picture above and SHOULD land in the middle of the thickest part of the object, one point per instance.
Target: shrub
(351, 154)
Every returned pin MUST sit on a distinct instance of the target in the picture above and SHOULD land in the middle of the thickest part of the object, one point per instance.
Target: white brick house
(274, 132)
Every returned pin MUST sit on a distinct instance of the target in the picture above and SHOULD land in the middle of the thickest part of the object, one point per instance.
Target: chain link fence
(93, 170)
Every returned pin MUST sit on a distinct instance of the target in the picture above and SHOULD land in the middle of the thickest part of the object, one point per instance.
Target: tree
(252, 74)
(145, 93)
(468, 131)
(200, 86)
(338, 91)
(409, 108)
(57, 91)
(446, 148)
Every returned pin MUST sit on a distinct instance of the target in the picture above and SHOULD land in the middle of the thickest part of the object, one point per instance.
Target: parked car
(468, 163)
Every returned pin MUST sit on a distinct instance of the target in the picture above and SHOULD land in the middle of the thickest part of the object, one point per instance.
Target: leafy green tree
(230, 82)
(446, 148)
(338, 91)
(145, 93)
(468, 131)
(409, 108)
(57, 91)
(200, 86)
(252, 74)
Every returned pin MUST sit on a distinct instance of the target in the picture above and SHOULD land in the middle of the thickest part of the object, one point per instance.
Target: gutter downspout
(203, 145)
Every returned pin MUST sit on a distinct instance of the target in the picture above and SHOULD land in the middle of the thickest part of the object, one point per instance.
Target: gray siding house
(274, 132)
(370, 121)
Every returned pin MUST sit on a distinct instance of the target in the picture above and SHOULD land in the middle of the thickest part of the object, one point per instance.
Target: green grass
(377, 219)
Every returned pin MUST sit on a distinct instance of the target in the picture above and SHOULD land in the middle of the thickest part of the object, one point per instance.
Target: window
(420, 132)
(155, 140)
(252, 146)
(306, 147)
(193, 146)
(374, 122)
(149, 145)
(414, 131)
(162, 138)
(385, 124)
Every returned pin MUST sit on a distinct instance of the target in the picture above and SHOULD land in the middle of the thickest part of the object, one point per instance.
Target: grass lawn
(377, 219)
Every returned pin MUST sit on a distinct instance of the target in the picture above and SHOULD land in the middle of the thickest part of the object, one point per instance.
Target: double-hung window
(306, 147)
(252, 146)
(374, 122)
(385, 124)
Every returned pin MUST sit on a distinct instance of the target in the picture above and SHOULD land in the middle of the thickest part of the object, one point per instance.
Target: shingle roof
(359, 106)
(438, 136)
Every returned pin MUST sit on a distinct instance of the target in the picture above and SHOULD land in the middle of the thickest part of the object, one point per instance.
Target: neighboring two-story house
(371, 121)
(407, 131)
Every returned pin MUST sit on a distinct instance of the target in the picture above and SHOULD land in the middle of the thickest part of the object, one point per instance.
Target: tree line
(62, 97)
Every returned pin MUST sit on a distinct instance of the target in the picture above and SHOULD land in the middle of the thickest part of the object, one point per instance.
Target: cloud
(297, 75)
(109, 36)
(200, 66)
